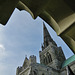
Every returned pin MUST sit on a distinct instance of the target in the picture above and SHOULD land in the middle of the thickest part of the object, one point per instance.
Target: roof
(68, 61)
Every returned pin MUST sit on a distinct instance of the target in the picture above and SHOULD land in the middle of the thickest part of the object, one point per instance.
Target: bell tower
(51, 55)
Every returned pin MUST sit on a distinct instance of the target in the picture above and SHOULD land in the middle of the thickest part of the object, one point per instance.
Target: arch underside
(57, 14)
(60, 15)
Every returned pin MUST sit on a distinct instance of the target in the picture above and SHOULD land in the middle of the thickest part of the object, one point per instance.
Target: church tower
(47, 38)
(51, 59)
(51, 55)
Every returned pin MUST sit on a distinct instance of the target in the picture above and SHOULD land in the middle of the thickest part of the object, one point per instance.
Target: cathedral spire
(47, 37)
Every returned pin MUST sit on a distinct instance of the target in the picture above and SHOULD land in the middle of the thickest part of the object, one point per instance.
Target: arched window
(45, 61)
(49, 58)
(35, 73)
(43, 74)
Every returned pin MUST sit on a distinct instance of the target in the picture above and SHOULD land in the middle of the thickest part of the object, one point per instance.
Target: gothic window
(45, 61)
(35, 73)
(49, 58)
(43, 74)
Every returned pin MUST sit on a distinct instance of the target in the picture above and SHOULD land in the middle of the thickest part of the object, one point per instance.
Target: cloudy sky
(20, 37)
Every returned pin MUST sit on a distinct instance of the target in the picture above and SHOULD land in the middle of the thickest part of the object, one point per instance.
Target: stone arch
(22, 6)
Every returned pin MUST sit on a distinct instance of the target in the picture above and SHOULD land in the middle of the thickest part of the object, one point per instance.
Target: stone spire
(47, 37)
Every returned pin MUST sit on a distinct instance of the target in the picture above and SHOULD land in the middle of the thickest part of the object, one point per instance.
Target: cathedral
(52, 60)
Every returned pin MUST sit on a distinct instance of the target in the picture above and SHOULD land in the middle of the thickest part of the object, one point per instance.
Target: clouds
(2, 50)
(3, 53)
(21, 36)
(2, 47)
